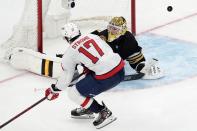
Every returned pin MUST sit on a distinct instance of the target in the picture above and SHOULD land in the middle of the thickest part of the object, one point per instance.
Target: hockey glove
(52, 92)
(59, 55)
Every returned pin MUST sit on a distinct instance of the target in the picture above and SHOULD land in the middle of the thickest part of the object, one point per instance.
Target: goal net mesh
(44, 18)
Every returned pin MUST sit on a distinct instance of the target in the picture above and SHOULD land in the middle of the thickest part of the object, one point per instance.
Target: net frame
(98, 18)
(39, 22)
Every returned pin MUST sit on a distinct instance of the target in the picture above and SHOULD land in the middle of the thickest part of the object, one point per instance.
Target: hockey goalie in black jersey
(124, 43)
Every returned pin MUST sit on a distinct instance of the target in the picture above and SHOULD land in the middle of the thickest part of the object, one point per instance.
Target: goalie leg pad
(38, 63)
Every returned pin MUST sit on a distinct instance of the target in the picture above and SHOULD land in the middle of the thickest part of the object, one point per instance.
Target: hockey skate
(104, 118)
(82, 113)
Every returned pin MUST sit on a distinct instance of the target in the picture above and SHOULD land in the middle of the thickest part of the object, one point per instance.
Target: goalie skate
(104, 118)
(82, 113)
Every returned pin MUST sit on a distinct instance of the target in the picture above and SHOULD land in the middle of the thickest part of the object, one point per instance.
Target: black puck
(72, 5)
(169, 8)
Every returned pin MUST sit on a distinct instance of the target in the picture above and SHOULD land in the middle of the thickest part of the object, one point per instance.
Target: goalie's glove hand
(52, 92)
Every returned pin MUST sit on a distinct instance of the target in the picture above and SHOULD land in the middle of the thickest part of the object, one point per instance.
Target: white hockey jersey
(93, 53)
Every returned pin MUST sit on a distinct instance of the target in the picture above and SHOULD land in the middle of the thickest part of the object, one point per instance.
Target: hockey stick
(133, 77)
(30, 107)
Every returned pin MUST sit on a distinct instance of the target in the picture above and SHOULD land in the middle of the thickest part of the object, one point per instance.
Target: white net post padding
(57, 15)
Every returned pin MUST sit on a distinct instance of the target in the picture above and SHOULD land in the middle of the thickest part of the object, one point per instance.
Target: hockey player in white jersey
(106, 70)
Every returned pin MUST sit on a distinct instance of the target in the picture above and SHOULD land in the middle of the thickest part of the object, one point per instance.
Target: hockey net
(44, 18)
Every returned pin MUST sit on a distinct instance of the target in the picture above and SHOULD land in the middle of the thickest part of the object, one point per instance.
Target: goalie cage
(44, 18)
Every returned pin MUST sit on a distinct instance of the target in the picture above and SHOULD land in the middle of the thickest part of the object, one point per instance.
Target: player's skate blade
(106, 122)
(85, 116)
(81, 113)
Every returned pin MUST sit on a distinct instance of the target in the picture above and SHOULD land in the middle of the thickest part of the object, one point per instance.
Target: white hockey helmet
(70, 31)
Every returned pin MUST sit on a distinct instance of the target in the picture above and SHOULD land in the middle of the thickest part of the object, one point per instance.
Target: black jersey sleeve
(134, 53)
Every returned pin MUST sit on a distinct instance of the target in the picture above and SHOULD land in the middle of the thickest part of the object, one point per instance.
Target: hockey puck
(169, 8)
(72, 5)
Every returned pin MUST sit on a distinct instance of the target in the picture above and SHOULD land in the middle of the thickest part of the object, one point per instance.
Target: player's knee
(76, 97)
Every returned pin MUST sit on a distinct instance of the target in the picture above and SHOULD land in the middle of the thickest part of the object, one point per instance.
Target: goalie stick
(133, 77)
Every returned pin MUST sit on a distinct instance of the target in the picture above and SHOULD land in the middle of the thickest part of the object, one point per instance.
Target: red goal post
(40, 27)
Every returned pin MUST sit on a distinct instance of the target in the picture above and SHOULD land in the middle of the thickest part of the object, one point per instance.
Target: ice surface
(168, 104)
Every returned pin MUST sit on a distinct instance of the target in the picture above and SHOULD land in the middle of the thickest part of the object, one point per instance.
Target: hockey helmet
(70, 31)
(116, 27)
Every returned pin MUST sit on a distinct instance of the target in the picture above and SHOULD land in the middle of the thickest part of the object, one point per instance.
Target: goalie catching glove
(52, 92)
(151, 69)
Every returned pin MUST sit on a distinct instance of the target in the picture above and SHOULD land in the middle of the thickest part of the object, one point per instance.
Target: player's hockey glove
(52, 92)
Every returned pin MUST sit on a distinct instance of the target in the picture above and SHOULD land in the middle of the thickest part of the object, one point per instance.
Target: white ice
(171, 107)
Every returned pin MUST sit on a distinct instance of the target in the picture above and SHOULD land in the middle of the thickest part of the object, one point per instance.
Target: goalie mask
(70, 32)
(116, 27)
